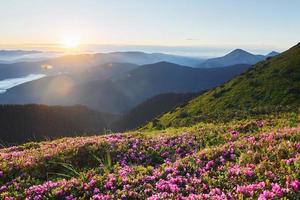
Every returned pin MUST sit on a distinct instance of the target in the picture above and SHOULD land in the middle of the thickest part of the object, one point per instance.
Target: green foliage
(105, 160)
(67, 171)
(294, 120)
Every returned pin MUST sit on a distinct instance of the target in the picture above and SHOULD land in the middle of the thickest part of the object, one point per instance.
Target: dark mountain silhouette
(237, 56)
(21, 123)
(272, 54)
(120, 93)
(150, 109)
(270, 86)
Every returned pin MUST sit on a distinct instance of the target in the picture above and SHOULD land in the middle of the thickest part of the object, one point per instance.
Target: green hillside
(269, 86)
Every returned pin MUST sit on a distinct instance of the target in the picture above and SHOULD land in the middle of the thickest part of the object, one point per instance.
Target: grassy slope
(267, 86)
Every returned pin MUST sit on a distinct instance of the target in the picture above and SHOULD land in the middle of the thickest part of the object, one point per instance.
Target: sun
(70, 42)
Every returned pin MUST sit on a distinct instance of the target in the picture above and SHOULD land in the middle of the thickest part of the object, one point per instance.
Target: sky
(250, 24)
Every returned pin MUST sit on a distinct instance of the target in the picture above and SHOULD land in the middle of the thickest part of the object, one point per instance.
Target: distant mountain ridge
(82, 62)
(141, 58)
(237, 56)
(269, 86)
(121, 92)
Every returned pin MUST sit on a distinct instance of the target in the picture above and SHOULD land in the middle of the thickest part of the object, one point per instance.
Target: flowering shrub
(221, 161)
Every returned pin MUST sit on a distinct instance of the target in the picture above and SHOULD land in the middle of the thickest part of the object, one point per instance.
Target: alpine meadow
(154, 100)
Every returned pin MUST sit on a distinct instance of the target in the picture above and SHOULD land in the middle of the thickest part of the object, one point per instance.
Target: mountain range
(269, 86)
(90, 63)
(83, 62)
(120, 93)
(237, 56)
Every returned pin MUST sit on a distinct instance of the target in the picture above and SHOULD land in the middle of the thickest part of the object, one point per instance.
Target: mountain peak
(272, 54)
(237, 56)
(238, 51)
(161, 63)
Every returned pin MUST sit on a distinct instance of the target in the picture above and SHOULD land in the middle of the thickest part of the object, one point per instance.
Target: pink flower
(71, 197)
(209, 164)
(288, 161)
(154, 197)
(169, 169)
(174, 188)
(92, 182)
(3, 188)
(277, 189)
(101, 197)
(269, 174)
(234, 132)
(295, 185)
(266, 195)
(234, 170)
(147, 191)
(260, 123)
(250, 189)
(110, 182)
(248, 172)
(96, 191)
